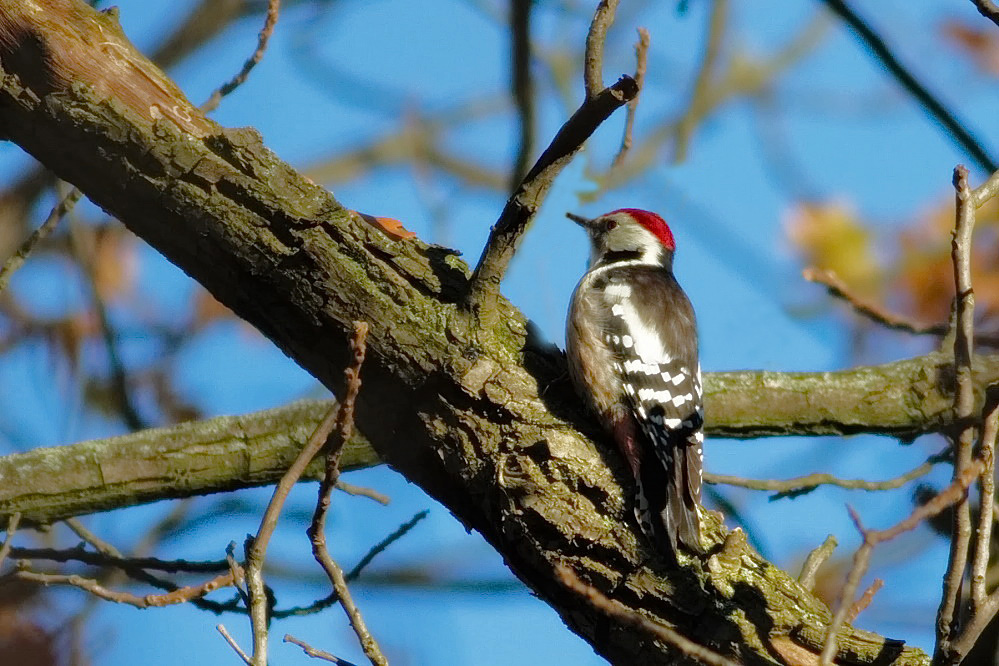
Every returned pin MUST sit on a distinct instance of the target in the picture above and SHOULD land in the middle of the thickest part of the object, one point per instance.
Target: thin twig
(702, 83)
(315, 652)
(988, 9)
(522, 206)
(986, 500)
(522, 86)
(865, 599)
(593, 60)
(987, 190)
(354, 573)
(256, 547)
(641, 65)
(317, 529)
(946, 118)
(12, 524)
(119, 374)
(41, 233)
(816, 559)
(970, 633)
(100, 544)
(361, 491)
(80, 554)
(948, 615)
(273, 9)
(804, 484)
(233, 644)
(839, 289)
(619, 611)
(861, 558)
(179, 596)
(135, 568)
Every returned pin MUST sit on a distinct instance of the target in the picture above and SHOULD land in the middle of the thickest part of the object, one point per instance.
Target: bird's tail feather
(666, 502)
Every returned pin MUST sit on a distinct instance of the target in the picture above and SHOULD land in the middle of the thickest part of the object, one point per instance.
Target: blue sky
(847, 131)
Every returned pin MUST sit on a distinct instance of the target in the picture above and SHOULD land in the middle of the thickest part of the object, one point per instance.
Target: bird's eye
(610, 224)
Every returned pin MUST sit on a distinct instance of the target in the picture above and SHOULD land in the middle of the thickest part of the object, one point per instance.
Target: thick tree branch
(211, 456)
(48, 484)
(473, 412)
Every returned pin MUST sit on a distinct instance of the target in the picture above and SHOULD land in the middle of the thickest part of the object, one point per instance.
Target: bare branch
(986, 501)
(317, 529)
(316, 653)
(354, 573)
(702, 83)
(273, 9)
(933, 106)
(861, 559)
(593, 60)
(948, 615)
(520, 209)
(809, 482)
(119, 375)
(233, 644)
(11, 530)
(865, 599)
(522, 85)
(256, 548)
(361, 491)
(988, 9)
(816, 559)
(179, 596)
(58, 212)
(839, 289)
(619, 612)
(641, 64)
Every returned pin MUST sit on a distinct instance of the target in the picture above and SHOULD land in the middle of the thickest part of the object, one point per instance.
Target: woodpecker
(631, 341)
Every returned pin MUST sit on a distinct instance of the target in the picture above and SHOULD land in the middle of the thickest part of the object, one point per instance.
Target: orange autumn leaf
(115, 262)
(981, 44)
(830, 237)
(925, 266)
(387, 225)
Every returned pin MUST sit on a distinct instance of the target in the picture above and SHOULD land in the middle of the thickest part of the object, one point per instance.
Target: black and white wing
(653, 332)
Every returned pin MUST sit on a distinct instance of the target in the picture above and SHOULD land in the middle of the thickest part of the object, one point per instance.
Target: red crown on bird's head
(655, 224)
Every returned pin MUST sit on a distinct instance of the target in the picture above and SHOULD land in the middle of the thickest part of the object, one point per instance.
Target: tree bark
(478, 414)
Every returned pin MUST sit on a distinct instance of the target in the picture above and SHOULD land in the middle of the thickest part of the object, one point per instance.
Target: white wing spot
(617, 310)
(619, 289)
(666, 376)
(627, 341)
(672, 424)
(679, 377)
(679, 400)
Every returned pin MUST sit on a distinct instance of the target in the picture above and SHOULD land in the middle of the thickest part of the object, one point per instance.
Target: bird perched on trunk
(631, 340)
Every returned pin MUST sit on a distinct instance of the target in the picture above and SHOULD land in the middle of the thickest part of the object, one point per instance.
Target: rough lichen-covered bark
(224, 453)
(477, 415)
(254, 449)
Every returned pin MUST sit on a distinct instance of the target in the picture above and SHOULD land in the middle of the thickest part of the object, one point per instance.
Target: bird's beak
(584, 222)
